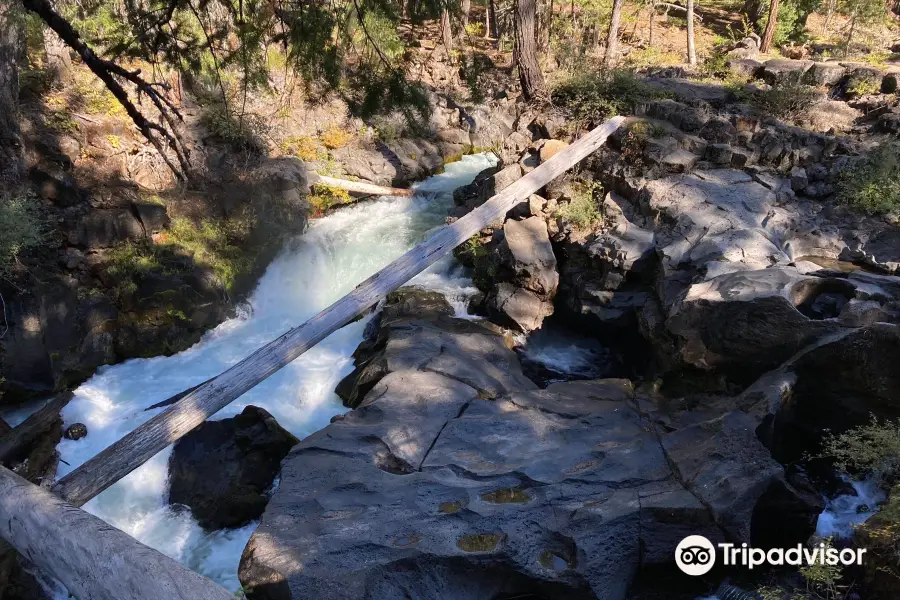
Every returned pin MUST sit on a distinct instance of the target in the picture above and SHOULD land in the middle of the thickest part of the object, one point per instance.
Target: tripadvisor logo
(696, 555)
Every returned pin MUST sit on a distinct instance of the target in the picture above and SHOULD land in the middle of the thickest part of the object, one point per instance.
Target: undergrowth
(21, 228)
(324, 197)
(787, 100)
(582, 210)
(595, 96)
(872, 185)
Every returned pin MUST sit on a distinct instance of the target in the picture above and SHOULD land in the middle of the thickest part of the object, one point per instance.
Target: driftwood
(137, 447)
(27, 431)
(360, 187)
(92, 559)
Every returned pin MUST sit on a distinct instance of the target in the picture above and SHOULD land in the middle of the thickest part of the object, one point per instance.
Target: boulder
(152, 216)
(467, 498)
(106, 227)
(779, 70)
(416, 331)
(486, 184)
(745, 67)
(526, 252)
(518, 307)
(825, 74)
(551, 148)
(223, 470)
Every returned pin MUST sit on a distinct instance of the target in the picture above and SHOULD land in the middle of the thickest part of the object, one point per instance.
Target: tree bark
(530, 75)
(769, 34)
(612, 38)
(58, 59)
(446, 31)
(465, 7)
(652, 24)
(11, 158)
(692, 51)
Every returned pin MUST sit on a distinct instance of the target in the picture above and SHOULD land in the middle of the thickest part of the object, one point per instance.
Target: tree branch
(107, 71)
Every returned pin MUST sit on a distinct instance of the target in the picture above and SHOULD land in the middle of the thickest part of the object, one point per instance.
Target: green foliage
(822, 580)
(213, 244)
(20, 229)
(324, 197)
(595, 96)
(716, 64)
(863, 86)
(475, 29)
(243, 134)
(872, 449)
(787, 100)
(872, 185)
(582, 210)
(792, 16)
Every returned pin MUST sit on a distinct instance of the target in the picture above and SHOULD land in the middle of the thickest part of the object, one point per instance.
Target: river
(315, 269)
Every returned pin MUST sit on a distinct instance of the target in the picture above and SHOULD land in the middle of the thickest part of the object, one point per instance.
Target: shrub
(715, 65)
(335, 137)
(872, 186)
(303, 147)
(582, 210)
(596, 96)
(872, 449)
(215, 244)
(20, 229)
(786, 100)
(475, 29)
(243, 134)
(324, 197)
(863, 86)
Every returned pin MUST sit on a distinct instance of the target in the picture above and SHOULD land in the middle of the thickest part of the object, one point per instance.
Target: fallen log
(29, 429)
(91, 558)
(137, 447)
(361, 187)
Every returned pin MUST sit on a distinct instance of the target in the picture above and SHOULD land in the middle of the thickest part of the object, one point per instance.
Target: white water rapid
(317, 268)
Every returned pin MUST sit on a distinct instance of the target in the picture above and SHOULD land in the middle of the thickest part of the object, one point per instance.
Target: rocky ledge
(444, 484)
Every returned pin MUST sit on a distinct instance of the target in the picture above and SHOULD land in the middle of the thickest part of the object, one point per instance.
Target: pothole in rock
(558, 352)
(822, 298)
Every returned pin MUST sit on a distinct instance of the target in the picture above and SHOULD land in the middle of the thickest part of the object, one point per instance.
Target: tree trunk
(465, 7)
(692, 51)
(11, 160)
(58, 59)
(769, 34)
(652, 23)
(488, 9)
(550, 25)
(525, 50)
(612, 38)
(446, 31)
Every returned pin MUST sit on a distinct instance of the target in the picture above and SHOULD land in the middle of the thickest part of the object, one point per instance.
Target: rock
(687, 118)
(825, 74)
(222, 470)
(719, 154)
(746, 49)
(745, 67)
(718, 130)
(799, 180)
(551, 148)
(486, 184)
(518, 307)
(152, 216)
(863, 81)
(416, 331)
(492, 498)
(536, 205)
(104, 228)
(76, 431)
(679, 161)
(780, 70)
(525, 250)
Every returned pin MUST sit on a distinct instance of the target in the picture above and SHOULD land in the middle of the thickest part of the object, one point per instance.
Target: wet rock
(222, 470)
(76, 431)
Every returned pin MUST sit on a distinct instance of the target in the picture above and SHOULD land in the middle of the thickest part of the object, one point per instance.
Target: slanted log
(137, 447)
(361, 187)
(91, 558)
(32, 427)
